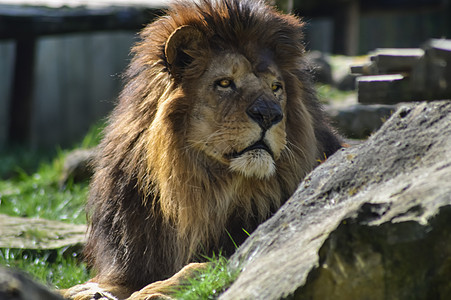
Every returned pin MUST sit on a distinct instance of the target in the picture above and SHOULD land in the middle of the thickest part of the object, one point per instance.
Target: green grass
(209, 283)
(56, 269)
(328, 94)
(39, 195)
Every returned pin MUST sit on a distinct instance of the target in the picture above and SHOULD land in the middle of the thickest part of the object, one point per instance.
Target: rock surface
(372, 222)
(320, 67)
(77, 166)
(15, 285)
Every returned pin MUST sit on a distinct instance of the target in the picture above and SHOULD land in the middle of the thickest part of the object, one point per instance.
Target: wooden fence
(75, 82)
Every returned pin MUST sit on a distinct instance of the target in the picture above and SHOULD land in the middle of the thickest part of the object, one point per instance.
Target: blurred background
(60, 74)
(61, 61)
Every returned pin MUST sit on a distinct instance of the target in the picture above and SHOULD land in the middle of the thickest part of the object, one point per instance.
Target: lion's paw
(151, 296)
(88, 291)
(157, 296)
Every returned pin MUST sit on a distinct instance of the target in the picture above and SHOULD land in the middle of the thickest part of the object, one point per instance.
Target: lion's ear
(179, 47)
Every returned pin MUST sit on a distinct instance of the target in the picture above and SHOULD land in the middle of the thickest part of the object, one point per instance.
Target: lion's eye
(224, 83)
(276, 86)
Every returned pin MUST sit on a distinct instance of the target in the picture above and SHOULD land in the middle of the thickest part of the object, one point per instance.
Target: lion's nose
(265, 112)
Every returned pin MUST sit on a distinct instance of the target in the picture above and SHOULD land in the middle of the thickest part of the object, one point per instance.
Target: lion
(217, 125)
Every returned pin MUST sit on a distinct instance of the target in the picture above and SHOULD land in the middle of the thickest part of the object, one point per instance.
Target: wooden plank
(420, 74)
(393, 61)
(30, 233)
(365, 69)
(440, 44)
(383, 89)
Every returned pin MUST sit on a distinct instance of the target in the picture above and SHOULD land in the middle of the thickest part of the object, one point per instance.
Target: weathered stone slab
(372, 222)
(27, 233)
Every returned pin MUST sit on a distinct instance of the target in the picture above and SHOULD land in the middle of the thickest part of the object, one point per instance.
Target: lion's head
(238, 118)
(215, 129)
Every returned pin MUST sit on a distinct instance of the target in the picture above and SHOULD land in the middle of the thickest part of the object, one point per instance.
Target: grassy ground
(56, 269)
(210, 283)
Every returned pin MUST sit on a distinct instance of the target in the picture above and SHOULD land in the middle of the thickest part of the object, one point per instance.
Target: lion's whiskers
(291, 151)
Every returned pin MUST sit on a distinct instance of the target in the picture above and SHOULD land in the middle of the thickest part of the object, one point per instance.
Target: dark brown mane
(153, 205)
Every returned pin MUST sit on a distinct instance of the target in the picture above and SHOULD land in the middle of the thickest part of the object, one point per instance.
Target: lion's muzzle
(259, 145)
(258, 159)
(265, 112)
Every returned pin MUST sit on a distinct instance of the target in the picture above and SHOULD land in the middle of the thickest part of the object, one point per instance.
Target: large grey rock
(15, 285)
(320, 67)
(372, 222)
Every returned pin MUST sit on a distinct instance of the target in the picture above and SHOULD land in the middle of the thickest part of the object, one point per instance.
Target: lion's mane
(155, 204)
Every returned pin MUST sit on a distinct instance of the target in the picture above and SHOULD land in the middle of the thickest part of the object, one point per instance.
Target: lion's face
(238, 118)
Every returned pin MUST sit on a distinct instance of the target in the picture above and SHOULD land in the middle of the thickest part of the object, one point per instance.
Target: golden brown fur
(172, 181)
